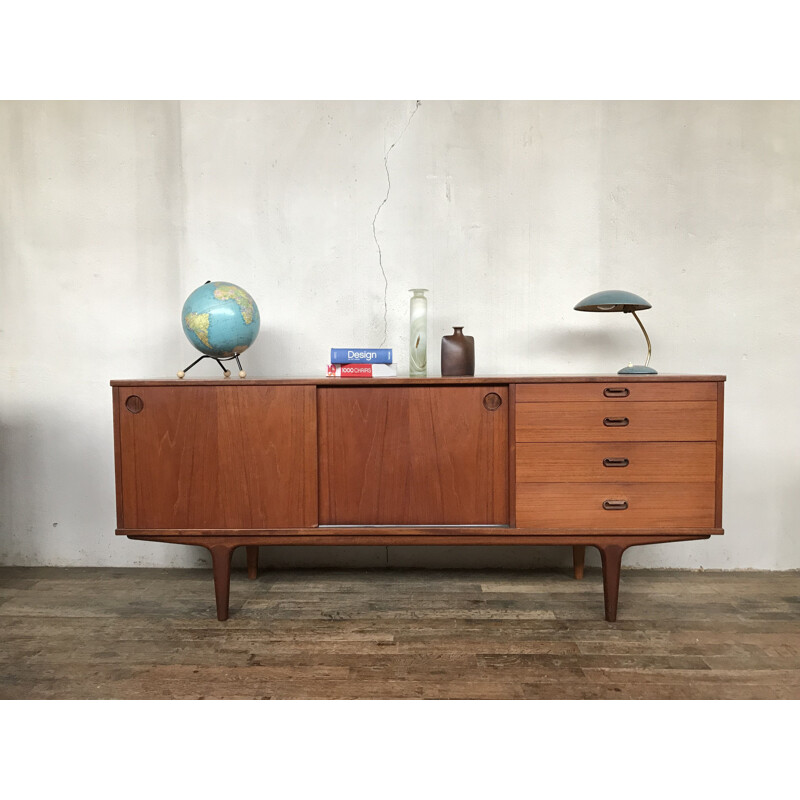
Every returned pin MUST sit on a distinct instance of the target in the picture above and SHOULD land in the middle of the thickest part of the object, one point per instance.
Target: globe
(220, 319)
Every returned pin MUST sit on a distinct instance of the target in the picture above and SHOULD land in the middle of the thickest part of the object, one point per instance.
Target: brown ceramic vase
(458, 354)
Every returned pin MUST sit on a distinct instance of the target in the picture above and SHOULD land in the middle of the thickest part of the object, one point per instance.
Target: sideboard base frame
(221, 547)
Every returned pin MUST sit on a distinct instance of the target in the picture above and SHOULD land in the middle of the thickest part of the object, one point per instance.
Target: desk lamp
(628, 303)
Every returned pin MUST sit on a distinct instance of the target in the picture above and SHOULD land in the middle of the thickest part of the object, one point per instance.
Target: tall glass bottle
(418, 339)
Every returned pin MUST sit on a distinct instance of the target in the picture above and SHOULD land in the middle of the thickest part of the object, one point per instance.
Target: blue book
(361, 355)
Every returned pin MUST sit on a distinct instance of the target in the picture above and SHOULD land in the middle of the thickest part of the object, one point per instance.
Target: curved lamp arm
(646, 337)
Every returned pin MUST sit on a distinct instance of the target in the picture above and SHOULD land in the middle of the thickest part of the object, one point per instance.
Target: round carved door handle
(492, 401)
(134, 404)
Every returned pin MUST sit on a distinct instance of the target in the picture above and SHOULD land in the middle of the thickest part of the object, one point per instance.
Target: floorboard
(356, 634)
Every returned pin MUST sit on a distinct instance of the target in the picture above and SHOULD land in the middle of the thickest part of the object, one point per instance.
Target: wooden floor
(152, 633)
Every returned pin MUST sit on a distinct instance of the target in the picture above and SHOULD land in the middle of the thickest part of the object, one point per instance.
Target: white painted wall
(509, 212)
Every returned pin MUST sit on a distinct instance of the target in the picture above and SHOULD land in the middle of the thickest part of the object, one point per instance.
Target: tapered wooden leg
(221, 558)
(611, 554)
(252, 561)
(578, 558)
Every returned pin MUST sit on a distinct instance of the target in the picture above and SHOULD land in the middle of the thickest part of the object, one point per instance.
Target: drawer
(632, 462)
(629, 391)
(628, 505)
(616, 421)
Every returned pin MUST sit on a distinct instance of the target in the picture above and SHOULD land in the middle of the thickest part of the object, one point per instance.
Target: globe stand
(226, 372)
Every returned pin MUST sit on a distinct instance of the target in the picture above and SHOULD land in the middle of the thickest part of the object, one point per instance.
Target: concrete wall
(509, 212)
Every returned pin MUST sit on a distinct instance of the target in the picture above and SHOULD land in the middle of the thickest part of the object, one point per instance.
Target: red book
(362, 370)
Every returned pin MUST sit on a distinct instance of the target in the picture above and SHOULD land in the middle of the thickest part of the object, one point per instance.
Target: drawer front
(631, 462)
(629, 391)
(616, 421)
(615, 506)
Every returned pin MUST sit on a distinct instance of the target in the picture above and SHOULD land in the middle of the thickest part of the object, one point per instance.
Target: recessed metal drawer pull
(613, 391)
(615, 462)
(615, 505)
(615, 422)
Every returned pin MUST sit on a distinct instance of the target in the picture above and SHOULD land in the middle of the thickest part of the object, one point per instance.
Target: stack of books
(361, 362)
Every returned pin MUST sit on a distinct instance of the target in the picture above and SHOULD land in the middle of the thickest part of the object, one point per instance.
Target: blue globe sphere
(220, 319)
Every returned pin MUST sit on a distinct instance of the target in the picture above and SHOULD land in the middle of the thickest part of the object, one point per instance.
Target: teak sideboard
(606, 461)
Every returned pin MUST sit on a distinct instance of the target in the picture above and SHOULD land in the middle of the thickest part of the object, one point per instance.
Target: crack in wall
(375, 219)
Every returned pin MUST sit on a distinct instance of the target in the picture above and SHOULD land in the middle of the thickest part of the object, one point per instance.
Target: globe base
(225, 372)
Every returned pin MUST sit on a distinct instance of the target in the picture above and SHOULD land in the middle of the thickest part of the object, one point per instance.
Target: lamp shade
(613, 300)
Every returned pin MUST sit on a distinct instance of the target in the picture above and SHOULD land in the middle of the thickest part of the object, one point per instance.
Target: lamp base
(637, 369)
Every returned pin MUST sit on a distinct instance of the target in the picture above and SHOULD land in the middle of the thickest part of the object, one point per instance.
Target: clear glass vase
(418, 339)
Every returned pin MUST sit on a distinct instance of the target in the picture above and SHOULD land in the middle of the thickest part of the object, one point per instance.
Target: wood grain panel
(720, 437)
(595, 392)
(651, 462)
(483, 380)
(512, 456)
(117, 457)
(413, 455)
(658, 506)
(218, 457)
(401, 537)
(386, 535)
(647, 422)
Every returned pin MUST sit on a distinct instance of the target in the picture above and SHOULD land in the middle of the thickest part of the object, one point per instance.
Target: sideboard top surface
(436, 381)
